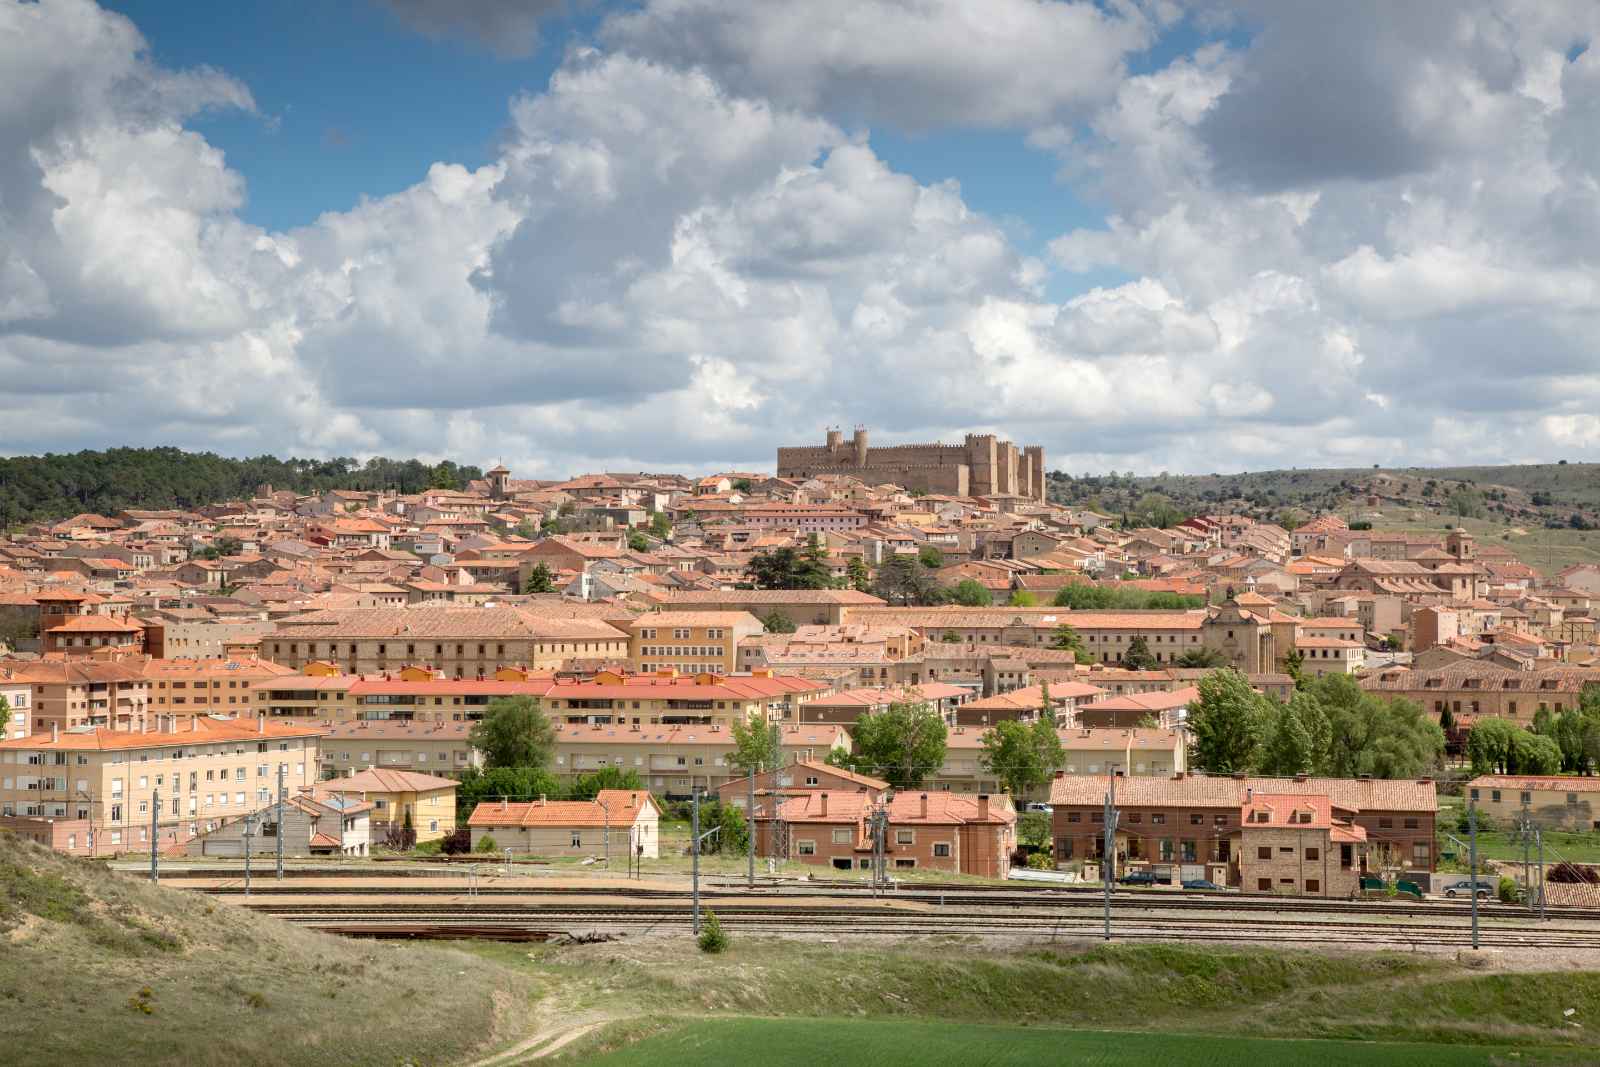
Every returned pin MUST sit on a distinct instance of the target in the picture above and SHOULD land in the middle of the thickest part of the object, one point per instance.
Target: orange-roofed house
(1299, 844)
(429, 801)
(961, 834)
(617, 822)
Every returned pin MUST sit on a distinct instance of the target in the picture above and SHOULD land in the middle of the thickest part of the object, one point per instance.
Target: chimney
(1249, 795)
(504, 804)
(541, 799)
(350, 772)
(983, 807)
(261, 723)
(822, 799)
(1299, 777)
(1238, 776)
(923, 808)
(1364, 777)
(1061, 774)
(55, 732)
(1177, 776)
(194, 724)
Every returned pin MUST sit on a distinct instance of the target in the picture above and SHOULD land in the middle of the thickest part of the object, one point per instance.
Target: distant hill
(59, 485)
(1545, 512)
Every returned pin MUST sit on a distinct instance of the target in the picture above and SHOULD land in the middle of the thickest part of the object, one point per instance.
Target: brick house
(931, 831)
(1196, 821)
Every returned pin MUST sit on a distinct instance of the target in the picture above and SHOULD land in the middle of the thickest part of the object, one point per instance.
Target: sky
(576, 235)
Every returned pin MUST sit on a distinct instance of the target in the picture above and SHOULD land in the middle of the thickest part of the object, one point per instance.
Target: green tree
(1490, 746)
(903, 580)
(486, 844)
(712, 938)
(1369, 734)
(902, 744)
(970, 593)
(1201, 658)
(1069, 640)
(734, 838)
(1022, 755)
(743, 486)
(856, 574)
(588, 786)
(540, 580)
(787, 568)
(478, 785)
(526, 530)
(1535, 754)
(1021, 598)
(1226, 720)
(776, 622)
(755, 745)
(1138, 657)
(930, 557)
(660, 526)
(514, 732)
(1034, 830)
(1466, 503)
(1287, 747)
(1294, 664)
(637, 541)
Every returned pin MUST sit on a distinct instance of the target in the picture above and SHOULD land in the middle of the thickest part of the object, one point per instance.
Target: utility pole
(750, 827)
(1108, 868)
(605, 810)
(155, 836)
(1472, 861)
(1538, 836)
(281, 768)
(694, 852)
(249, 826)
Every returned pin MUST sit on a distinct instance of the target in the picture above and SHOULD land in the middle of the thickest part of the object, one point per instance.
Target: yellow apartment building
(690, 641)
(429, 800)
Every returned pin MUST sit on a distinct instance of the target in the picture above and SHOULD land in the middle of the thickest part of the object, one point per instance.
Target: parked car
(1200, 883)
(1485, 890)
(1043, 808)
(1137, 878)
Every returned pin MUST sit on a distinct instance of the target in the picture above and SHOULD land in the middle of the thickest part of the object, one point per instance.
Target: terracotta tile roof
(198, 730)
(1537, 782)
(1284, 810)
(1355, 794)
(1152, 701)
(610, 807)
(383, 780)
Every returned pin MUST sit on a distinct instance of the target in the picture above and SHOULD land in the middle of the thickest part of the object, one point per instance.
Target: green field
(845, 1042)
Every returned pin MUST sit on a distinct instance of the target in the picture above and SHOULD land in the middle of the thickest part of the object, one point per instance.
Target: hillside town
(352, 641)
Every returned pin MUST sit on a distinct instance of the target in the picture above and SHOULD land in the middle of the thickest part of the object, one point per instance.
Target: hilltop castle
(982, 465)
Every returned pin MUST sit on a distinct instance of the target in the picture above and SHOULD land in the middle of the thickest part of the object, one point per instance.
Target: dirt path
(545, 1041)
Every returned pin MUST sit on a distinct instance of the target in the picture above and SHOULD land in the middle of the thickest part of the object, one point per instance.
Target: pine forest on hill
(59, 485)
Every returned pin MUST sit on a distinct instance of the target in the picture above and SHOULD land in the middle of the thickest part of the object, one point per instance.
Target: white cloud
(680, 257)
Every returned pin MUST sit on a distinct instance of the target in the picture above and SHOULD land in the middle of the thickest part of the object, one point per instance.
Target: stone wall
(979, 466)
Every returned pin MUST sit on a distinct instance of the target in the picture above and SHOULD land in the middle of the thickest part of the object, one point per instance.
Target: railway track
(492, 920)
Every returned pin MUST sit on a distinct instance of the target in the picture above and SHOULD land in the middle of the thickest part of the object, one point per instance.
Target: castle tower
(859, 443)
(1035, 486)
(835, 439)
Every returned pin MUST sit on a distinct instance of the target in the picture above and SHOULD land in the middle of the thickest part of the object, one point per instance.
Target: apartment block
(690, 641)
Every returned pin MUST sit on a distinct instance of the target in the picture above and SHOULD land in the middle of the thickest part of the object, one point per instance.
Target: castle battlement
(982, 464)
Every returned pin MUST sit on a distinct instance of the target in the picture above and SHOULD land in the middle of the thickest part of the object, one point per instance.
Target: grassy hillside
(847, 1042)
(99, 968)
(608, 997)
(1547, 514)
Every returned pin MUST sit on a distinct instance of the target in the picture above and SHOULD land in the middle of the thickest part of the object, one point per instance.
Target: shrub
(456, 842)
(1041, 861)
(1510, 892)
(486, 844)
(712, 939)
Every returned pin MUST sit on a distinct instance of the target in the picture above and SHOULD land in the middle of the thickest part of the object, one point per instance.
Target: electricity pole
(155, 836)
(750, 810)
(694, 852)
(1538, 836)
(1108, 870)
(281, 768)
(249, 826)
(1472, 861)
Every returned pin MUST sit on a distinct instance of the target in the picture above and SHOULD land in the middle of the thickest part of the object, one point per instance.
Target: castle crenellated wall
(981, 465)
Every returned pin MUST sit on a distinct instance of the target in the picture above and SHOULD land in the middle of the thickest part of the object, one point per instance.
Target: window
(842, 837)
(1420, 851)
(1073, 816)
(1264, 885)
(577, 839)
(941, 849)
(811, 779)
(1313, 853)
(806, 848)
(1264, 852)
(1285, 850)
(1385, 823)
(905, 837)
(905, 864)
(1494, 795)
(1527, 798)
(1410, 824)
(1195, 818)
(1313, 885)
(1158, 818)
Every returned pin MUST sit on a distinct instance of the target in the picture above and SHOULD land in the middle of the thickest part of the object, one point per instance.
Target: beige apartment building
(669, 699)
(1551, 801)
(1145, 753)
(802, 607)
(1106, 634)
(463, 642)
(690, 641)
(202, 773)
(412, 694)
(184, 687)
(438, 748)
(673, 760)
(111, 692)
(1474, 689)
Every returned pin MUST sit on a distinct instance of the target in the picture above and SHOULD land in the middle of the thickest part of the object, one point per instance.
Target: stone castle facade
(982, 465)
